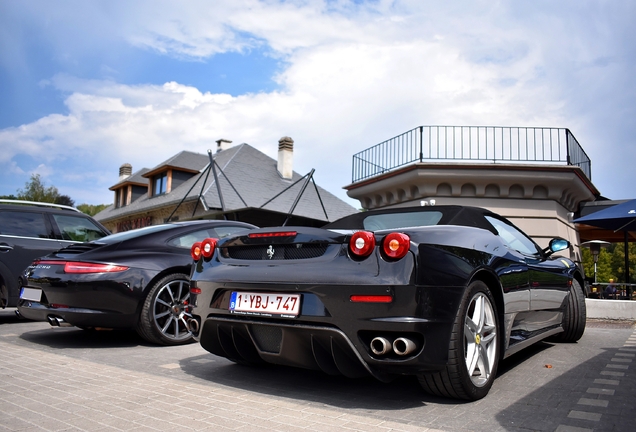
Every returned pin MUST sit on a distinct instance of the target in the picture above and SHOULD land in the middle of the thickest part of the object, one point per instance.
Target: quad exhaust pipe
(401, 346)
(380, 346)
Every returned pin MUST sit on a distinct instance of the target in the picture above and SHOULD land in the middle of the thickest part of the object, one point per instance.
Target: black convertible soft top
(440, 215)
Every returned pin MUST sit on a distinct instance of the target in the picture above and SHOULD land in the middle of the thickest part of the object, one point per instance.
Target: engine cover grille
(295, 251)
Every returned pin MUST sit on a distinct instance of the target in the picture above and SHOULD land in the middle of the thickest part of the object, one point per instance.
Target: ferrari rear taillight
(207, 247)
(195, 251)
(86, 267)
(203, 249)
(362, 244)
(396, 245)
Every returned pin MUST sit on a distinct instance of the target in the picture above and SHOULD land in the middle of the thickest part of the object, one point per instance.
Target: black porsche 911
(442, 293)
(134, 279)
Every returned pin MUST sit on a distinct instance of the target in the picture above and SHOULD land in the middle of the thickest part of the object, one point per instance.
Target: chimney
(285, 157)
(125, 171)
(223, 144)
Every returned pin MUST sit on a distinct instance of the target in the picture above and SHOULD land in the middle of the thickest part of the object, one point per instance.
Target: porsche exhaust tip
(57, 321)
(403, 346)
(380, 346)
(193, 326)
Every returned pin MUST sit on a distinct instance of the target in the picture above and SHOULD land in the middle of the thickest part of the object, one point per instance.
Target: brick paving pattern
(71, 380)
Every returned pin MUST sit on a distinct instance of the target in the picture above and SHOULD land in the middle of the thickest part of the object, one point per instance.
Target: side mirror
(556, 245)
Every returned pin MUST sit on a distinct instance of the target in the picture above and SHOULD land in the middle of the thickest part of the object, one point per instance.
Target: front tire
(574, 316)
(164, 314)
(474, 349)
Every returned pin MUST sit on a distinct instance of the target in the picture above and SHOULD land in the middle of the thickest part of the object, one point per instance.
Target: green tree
(65, 200)
(35, 190)
(611, 263)
(90, 209)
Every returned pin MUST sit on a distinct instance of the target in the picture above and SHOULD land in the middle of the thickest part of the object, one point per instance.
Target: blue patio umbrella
(621, 217)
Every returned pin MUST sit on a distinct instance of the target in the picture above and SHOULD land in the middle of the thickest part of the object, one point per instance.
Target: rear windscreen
(401, 220)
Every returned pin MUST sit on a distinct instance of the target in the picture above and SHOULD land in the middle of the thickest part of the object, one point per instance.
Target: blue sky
(88, 86)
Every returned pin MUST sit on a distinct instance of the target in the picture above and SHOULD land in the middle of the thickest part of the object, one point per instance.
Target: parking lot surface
(67, 379)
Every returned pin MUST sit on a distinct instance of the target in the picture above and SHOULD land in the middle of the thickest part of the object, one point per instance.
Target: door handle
(5, 247)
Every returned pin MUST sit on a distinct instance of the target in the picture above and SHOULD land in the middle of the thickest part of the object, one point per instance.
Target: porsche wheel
(165, 312)
(574, 316)
(474, 349)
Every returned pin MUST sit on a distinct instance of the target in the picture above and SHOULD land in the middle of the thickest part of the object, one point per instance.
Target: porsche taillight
(396, 245)
(85, 267)
(362, 244)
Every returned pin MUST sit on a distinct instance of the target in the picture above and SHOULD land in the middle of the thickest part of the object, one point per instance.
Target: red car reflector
(396, 245)
(273, 234)
(194, 290)
(48, 262)
(362, 243)
(195, 251)
(207, 247)
(371, 298)
(59, 306)
(84, 267)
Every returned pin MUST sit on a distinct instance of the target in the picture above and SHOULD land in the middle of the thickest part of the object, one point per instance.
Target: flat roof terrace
(481, 144)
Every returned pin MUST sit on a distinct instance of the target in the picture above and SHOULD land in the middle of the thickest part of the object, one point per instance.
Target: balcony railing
(488, 144)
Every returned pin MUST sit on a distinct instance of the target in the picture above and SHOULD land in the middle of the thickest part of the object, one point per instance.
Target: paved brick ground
(68, 379)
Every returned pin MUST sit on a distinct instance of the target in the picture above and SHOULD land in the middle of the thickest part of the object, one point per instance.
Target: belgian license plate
(270, 304)
(32, 294)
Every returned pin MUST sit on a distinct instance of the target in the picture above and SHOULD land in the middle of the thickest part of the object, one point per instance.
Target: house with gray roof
(236, 183)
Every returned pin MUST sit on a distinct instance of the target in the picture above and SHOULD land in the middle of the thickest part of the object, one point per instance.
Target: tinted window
(127, 235)
(513, 238)
(401, 220)
(78, 229)
(23, 224)
(187, 240)
(222, 232)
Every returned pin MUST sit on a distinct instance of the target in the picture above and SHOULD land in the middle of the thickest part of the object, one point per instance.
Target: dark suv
(29, 230)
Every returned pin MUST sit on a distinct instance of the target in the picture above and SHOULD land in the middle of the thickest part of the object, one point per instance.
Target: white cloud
(355, 76)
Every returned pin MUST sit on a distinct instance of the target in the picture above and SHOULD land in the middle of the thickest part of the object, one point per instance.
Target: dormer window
(160, 184)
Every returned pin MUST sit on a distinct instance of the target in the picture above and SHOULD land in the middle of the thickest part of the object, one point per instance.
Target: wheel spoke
(472, 357)
(470, 327)
(484, 362)
(163, 302)
(164, 329)
(479, 312)
(162, 314)
(169, 291)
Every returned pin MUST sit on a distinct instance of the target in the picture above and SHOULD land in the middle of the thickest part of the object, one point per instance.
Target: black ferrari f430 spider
(442, 293)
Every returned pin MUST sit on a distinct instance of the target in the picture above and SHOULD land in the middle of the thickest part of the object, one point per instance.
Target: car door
(547, 278)
(24, 236)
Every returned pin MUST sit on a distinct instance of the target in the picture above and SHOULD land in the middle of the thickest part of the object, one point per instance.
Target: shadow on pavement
(299, 384)
(8, 316)
(76, 338)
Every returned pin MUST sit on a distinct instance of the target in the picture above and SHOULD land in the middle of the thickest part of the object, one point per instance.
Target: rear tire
(165, 312)
(473, 354)
(574, 316)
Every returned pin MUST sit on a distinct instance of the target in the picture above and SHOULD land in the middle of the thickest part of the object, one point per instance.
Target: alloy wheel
(480, 339)
(171, 310)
